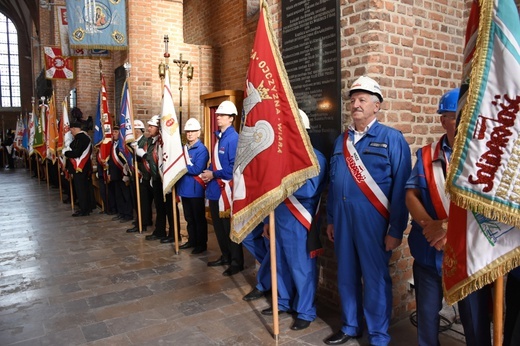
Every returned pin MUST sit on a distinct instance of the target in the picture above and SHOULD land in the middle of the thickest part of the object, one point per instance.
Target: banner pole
(71, 193)
(175, 216)
(59, 181)
(274, 285)
(38, 168)
(47, 172)
(498, 311)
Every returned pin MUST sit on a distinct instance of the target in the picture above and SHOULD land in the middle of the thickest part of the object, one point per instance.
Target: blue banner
(97, 24)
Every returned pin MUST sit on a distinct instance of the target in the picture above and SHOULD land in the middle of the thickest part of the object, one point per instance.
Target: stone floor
(84, 281)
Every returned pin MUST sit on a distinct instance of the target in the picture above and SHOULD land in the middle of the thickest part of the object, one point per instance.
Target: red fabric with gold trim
(57, 66)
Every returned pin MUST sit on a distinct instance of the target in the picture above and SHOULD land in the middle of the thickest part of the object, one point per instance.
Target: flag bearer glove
(64, 150)
(140, 152)
(134, 145)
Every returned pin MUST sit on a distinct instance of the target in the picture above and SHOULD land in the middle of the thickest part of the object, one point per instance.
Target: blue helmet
(448, 102)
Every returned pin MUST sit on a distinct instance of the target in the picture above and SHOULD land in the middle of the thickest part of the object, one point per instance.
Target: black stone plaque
(311, 54)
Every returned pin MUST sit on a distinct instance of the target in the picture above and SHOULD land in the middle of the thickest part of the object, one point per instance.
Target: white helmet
(138, 124)
(367, 84)
(305, 119)
(227, 108)
(192, 125)
(154, 121)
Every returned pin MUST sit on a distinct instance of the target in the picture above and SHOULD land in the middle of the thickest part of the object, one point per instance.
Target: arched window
(9, 64)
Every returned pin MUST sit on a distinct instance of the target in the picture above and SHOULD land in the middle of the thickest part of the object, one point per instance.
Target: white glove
(64, 150)
(134, 145)
(140, 152)
(126, 178)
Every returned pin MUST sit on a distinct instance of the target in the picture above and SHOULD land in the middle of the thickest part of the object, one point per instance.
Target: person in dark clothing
(8, 147)
(80, 167)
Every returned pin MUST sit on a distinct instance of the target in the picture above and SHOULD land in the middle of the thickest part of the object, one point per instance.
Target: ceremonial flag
(126, 126)
(173, 165)
(32, 130)
(65, 136)
(39, 132)
(52, 130)
(64, 40)
(97, 24)
(274, 155)
(483, 176)
(103, 125)
(58, 66)
(25, 137)
(18, 137)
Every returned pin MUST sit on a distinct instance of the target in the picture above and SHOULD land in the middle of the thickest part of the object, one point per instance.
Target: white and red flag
(51, 137)
(65, 136)
(483, 241)
(274, 154)
(172, 165)
(58, 66)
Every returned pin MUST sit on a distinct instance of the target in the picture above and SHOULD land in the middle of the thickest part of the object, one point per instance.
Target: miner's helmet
(227, 108)
(192, 125)
(448, 101)
(367, 84)
(305, 119)
(154, 121)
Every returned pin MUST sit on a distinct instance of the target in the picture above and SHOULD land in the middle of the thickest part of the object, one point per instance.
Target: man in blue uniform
(429, 206)
(258, 246)
(366, 214)
(218, 178)
(296, 268)
(191, 189)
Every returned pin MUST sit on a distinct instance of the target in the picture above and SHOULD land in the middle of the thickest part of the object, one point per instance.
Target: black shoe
(118, 217)
(168, 240)
(232, 270)
(220, 262)
(198, 249)
(135, 229)
(125, 219)
(269, 311)
(253, 295)
(79, 213)
(110, 213)
(186, 245)
(300, 324)
(152, 237)
(339, 338)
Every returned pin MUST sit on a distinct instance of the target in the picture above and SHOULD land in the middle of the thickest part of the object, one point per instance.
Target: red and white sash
(299, 211)
(189, 163)
(115, 157)
(78, 163)
(363, 179)
(226, 187)
(435, 178)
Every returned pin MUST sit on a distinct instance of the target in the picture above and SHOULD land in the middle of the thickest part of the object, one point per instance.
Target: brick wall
(413, 48)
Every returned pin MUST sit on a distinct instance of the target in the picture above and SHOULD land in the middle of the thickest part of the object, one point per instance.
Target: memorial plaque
(311, 54)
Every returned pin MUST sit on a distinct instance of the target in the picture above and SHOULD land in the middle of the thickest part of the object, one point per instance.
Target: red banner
(274, 154)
